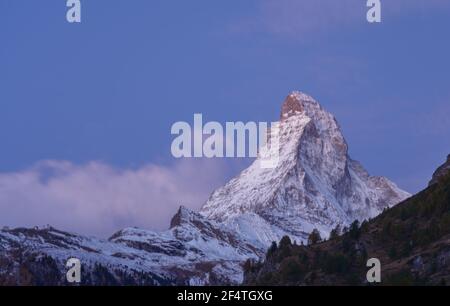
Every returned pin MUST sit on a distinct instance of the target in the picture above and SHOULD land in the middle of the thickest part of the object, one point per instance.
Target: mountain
(314, 185)
(411, 240)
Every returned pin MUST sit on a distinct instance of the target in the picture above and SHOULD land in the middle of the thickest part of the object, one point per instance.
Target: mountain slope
(193, 251)
(411, 240)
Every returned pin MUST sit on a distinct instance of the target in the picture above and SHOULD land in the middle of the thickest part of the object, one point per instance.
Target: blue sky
(109, 89)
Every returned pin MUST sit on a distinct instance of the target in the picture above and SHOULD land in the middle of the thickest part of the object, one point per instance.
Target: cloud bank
(98, 199)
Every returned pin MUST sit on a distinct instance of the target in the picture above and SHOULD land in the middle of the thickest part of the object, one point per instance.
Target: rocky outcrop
(441, 172)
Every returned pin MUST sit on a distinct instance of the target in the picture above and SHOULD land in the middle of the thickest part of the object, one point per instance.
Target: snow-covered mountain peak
(299, 104)
(184, 215)
(315, 184)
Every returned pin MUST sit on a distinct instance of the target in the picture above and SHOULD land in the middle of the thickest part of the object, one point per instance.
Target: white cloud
(99, 199)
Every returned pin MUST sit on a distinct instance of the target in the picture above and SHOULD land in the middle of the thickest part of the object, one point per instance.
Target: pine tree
(314, 237)
(335, 232)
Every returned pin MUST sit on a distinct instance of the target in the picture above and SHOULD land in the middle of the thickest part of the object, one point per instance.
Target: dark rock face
(441, 172)
(291, 106)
